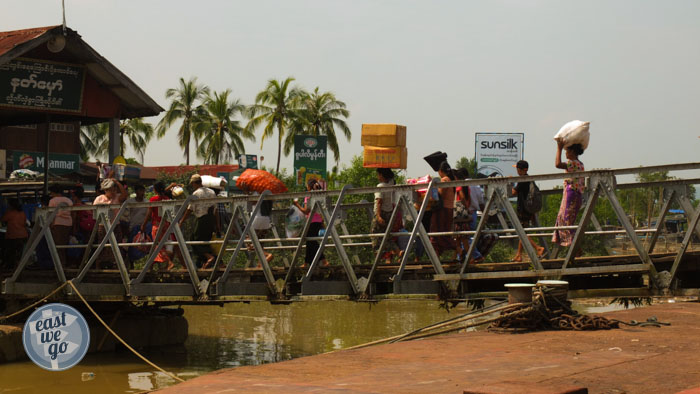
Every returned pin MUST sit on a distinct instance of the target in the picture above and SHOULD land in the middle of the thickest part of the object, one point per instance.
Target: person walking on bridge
(521, 191)
(205, 221)
(573, 192)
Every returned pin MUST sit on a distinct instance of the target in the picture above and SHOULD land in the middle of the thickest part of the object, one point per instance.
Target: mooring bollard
(519, 292)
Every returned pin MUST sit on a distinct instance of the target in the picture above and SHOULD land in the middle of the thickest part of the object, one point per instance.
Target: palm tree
(222, 135)
(319, 114)
(183, 106)
(138, 133)
(94, 141)
(273, 108)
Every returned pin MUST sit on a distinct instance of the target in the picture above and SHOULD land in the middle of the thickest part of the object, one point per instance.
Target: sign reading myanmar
(40, 84)
(56, 337)
(59, 163)
(310, 158)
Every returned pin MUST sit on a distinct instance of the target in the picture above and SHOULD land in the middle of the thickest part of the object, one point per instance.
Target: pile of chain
(549, 310)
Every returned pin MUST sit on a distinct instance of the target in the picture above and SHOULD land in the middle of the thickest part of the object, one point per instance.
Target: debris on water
(86, 376)
(617, 349)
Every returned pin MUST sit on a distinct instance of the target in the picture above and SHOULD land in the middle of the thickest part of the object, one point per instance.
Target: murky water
(230, 336)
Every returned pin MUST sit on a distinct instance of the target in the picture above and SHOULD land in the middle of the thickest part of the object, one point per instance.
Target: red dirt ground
(627, 360)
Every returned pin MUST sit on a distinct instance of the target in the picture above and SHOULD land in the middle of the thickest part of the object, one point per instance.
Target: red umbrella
(259, 181)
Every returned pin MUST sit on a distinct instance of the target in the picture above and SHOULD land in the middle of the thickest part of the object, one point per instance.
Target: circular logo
(56, 337)
(26, 161)
(310, 142)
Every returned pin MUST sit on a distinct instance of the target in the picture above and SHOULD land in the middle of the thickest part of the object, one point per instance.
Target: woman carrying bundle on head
(573, 192)
(442, 217)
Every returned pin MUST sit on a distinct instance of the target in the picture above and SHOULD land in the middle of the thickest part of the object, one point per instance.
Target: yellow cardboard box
(385, 135)
(385, 157)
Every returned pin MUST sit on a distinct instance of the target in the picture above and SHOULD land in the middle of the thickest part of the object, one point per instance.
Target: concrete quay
(627, 360)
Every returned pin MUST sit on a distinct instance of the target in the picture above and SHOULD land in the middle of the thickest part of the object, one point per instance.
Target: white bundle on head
(574, 132)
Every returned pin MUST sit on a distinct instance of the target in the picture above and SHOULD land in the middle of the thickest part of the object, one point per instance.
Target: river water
(230, 336)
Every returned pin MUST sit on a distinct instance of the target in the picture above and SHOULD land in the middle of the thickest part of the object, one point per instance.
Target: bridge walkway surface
(625, 360)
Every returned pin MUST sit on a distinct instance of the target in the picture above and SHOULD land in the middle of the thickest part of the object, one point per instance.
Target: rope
(454, 320)
(119, 338)
(19, 312)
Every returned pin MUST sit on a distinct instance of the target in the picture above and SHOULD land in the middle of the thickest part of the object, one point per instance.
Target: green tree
(221, 133)
(94, 141)
(138, 133)
(273, 108)
(318, 114)
(183, 106)
(469, 164)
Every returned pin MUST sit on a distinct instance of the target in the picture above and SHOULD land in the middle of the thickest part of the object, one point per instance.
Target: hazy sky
(445, 69)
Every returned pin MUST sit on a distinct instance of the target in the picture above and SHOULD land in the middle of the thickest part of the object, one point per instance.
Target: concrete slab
(627, 360)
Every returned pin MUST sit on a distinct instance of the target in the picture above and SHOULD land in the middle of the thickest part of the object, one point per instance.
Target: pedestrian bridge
(654, 262)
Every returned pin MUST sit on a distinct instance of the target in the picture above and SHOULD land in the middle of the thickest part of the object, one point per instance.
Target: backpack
(533, 202)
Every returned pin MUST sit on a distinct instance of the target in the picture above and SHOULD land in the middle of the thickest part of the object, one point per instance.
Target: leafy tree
(221, 133)
(138, 133)
(94, 141)
(469, 164)
(273, 108)
(318, 114)
(183, 106)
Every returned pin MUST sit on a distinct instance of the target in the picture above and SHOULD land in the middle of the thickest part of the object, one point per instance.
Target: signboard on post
(496, 153)
(59, 163)
(248, 161)
(40, 84)
(310, 158)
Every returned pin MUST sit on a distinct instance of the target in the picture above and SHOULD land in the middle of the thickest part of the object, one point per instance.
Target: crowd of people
(455, 209)
(137, 224)
(450, 209)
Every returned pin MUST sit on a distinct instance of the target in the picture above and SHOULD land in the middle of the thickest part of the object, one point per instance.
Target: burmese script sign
(310, 158)
(40, 84)
(59, 163)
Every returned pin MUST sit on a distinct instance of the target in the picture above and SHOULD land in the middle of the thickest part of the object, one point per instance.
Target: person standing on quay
(16, 234)
(573, 192)
(522, 190)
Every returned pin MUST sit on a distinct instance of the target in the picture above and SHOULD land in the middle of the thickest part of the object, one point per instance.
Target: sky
(445, 69)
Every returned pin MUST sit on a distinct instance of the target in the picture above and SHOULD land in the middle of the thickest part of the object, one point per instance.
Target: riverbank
(630, 359)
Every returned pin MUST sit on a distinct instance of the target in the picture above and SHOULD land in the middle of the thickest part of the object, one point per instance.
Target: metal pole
(47, 132)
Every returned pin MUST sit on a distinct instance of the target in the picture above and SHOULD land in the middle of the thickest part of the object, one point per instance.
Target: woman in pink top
(315, 227)
(573, 193)
(63, 222)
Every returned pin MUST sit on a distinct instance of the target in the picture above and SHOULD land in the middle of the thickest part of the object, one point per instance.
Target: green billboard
(59, 163)
(310, 158)
(40, 84)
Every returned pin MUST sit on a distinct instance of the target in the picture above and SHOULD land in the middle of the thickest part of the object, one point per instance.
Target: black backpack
(533, 202)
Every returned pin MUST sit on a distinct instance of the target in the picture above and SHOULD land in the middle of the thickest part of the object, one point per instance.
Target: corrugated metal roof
(135, 102)
(10, 39)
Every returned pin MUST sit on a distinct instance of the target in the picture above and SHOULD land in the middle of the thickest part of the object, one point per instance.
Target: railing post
(608, 186)
(505, 204)
(419, 230)
(333, 232)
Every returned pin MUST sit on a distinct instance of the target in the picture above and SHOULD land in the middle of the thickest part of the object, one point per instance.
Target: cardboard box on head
(384, 135)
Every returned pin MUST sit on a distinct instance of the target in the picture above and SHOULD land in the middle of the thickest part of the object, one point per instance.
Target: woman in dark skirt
(442, 218)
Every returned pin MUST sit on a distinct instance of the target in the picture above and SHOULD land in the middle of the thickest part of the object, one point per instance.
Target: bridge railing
(357, 278)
